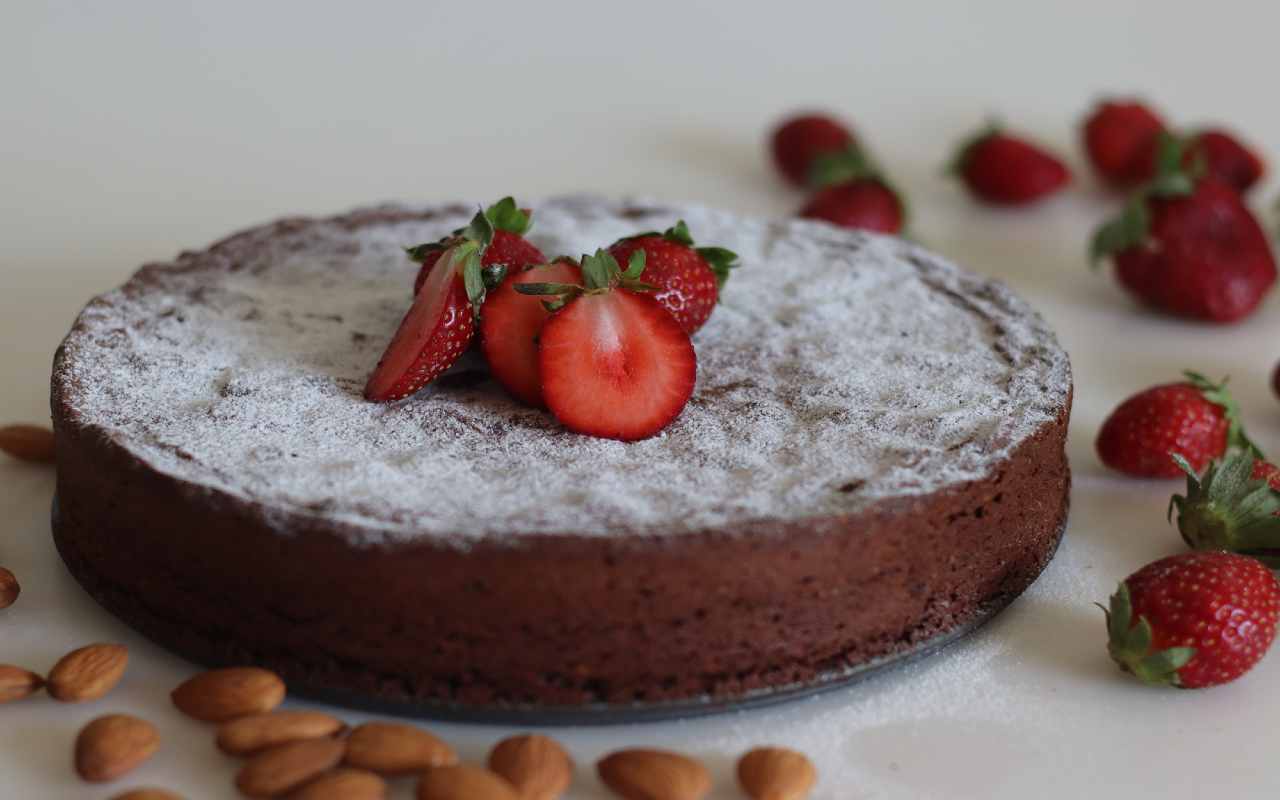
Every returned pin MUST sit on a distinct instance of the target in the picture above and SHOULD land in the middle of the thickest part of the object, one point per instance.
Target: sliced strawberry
(614, 362)
(432, 336)
(511, 324)
(506, 247)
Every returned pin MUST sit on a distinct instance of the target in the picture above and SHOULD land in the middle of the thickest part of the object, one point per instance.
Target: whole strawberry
(800, 139)
(1118, 135)
(687, 279)
(1234, 505)
(1005, 170)
(1218, 154)
(1196, 419)
(1193, 620)
(852, 192)
(507, 247)
(1187, 245)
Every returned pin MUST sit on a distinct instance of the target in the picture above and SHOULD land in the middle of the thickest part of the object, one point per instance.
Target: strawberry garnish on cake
(613, 361)
(687, 279)
(457, 273)
(512, 323)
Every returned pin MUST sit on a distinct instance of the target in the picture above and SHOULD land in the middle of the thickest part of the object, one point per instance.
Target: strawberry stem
(1130, 644)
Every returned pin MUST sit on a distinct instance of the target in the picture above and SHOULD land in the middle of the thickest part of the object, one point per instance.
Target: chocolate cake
(873, 457)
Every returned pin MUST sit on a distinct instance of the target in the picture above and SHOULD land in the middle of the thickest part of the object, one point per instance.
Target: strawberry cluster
(605, 347)
(1206, 617)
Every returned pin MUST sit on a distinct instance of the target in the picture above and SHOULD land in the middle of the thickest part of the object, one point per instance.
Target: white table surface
(129, 131)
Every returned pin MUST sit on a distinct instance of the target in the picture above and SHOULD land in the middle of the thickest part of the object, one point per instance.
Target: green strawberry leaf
(679, 233)
(635, 266)
(505, 215)
(493, 275)
(473, 279)
(420, 252)
(480, 230)
(600, 271)
(548, 288)
(721, 262)
(850, 164)
(1130, 229)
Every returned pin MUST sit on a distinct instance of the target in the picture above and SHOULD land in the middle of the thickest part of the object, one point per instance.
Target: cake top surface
(839, 369)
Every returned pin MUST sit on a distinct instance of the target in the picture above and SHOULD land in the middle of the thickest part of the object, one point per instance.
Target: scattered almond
(147, 794)
(17, 683)
(775, 773)
(111, 746)
(224, 694)
(246, 736)
(464, 782)
(9, 588)
(88, 673)
(536, 765)
(652, 774)
(391, 748)
(343, 784)
(282, 769)
(28, 443)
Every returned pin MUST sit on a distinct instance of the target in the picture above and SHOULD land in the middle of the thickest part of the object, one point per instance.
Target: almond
(775, 773)
(343, 784)
(9, 588)
(111, 746)
(147, 794)
(536, 765)
(651, 774)
(17, 683)
(246, 736)
(391, 748)
(88, 673)
(224, 694)
(282, 769)
(28, 443)
(464, 782)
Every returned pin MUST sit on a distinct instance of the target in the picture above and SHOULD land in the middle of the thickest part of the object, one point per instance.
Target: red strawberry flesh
(433, 334)
(616, 365)
(510, 327)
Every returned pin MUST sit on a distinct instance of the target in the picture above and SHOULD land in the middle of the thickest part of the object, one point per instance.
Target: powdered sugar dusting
(839, 369)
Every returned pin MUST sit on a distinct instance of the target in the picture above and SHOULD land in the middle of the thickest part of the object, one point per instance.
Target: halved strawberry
(511, 324)
(507, 247)
(442, 320)
(614, 362)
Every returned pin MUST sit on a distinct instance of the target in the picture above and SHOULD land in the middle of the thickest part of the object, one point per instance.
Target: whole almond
(536, 765)
(28, 443)
(654, 775)
(147, 794)
(464, 782)
(224, 694)
(343, 784)
(17, 683)
(9, 588)
(391, 748)
(257, 732)
(111, 746)
(88, 673)
(775, 773)
(282, 769)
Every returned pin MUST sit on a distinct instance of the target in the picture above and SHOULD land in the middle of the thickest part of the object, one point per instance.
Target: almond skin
(283, 769)
(536, 765)
(391, 748)
(343, 784)
(17, 683)
(88, 673)
(28, 443)
(147, 794)
(654, 775)
(776, 773)
(114, 745)
(9, 588)
(224, 694)
(464, 782)
(246, 736)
